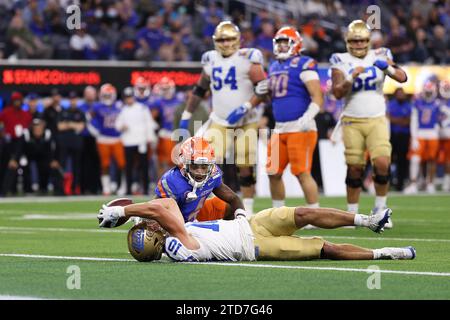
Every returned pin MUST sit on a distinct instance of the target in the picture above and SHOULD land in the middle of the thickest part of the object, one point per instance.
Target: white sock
(414, 167)
(361, 220)
(352, 207)
(313, 205)
(380, 202)
(277, 203)
(446, 183)
(248, 205)
(377, 253)
(106, 184)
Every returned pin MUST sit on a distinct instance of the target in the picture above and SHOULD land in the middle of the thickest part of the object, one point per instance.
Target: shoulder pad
(252, 54)
(309, 64)
(207, 57)
(383, 52)
(335, 58)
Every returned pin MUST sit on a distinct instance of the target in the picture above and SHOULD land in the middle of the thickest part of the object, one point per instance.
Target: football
(118, 202)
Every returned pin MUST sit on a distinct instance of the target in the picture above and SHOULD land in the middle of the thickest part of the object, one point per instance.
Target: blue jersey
(167, 109)
(88, 109)
(290, 97)
(104, 119)
(174, 185)
(399, 110)
(428, 113)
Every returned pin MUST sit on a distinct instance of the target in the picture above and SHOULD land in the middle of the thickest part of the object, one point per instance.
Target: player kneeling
(268, 235)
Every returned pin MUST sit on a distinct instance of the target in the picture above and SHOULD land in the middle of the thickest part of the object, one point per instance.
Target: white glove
(110, 215)
(262, 87)
(310, 113)
(415, 144)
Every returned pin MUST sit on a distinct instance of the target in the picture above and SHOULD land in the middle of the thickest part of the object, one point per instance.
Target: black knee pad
(247, 181)
(353, 182)
(381, 179)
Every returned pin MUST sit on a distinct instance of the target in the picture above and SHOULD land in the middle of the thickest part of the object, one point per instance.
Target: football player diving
(267, 235)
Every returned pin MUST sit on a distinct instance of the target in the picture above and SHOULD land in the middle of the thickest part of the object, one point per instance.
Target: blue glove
(238, 113)
(381, 64)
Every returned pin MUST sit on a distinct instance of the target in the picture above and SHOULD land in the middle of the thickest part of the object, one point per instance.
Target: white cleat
(407, 253)
(411, 189)
(389, 224)
(309, 227)
(431, 189)
(378, 220)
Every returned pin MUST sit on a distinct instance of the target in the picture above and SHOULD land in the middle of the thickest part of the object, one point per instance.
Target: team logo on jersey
(188, 199)
(294, 62)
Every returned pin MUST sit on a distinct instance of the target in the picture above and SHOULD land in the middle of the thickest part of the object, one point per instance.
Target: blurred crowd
(181, 30)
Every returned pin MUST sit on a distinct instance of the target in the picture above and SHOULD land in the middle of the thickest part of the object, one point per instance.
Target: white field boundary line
(10, 297)
(232, 264)
(126, 231)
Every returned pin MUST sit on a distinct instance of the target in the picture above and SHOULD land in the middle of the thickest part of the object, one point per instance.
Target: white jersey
(230, 83)
(445, 121)
(366, 99)
(220, 240)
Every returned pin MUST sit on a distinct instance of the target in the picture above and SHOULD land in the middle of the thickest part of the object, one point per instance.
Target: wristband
(390, 70)
(349, 78)
(186, 115)
(240, 213)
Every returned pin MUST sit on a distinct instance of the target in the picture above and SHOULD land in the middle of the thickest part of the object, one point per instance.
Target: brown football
(118, 202)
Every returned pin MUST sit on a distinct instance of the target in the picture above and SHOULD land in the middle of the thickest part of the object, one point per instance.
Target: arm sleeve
(309, 75)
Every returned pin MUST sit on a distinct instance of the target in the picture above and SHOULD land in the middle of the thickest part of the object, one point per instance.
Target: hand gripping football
(119, 202)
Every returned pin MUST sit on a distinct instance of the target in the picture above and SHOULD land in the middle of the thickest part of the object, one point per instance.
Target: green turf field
(47, 234)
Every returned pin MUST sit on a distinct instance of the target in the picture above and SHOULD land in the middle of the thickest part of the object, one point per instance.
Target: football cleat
(431, 189)
(378, 220)
(406, 253)
(389, 224)
(411, 189)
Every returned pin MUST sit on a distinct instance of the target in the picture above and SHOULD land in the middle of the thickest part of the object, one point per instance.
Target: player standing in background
(192, 182)
(231, 74)
(424, 145)
(444, 92)
(143, 93)
(102, 126)
(166, 104)
(296, 99)
(358, 76)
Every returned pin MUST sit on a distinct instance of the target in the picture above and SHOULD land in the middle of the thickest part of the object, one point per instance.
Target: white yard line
(231, 264)
(38, 256)
(381, 238)
(67, 216)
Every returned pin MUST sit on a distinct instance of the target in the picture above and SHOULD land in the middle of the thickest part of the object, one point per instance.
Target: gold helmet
(146, 241)
(358, 30)
(227, 30)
